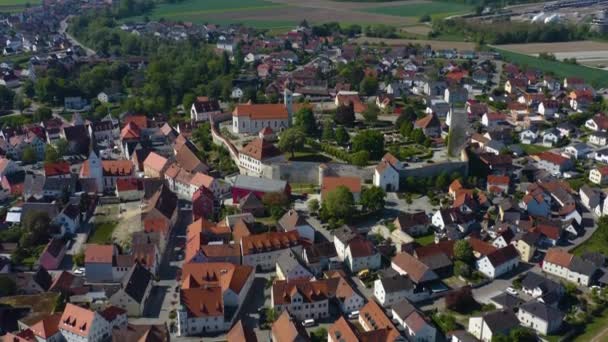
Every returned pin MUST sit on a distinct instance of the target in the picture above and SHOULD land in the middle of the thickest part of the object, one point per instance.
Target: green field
(16, 5)
(103, 233)
(435, 9)
(213, 11)
(596, 77)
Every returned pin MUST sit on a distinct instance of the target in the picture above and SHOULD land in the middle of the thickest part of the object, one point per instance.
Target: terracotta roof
(241, 333)
(203, 301)
(110, 313)
(77, 320)
(498, 180)
(141, 333)
(292, 219)
(360, 247)
(117, 168)
(553, 158)
(446, 247)
(129, 184)
(481, 247)
(56, 169)
(414, 268)
(260, 149)
(310, 291)
(221, 251)
(558, 257)
(140, 120)
(331, 183)
(215, 274)
(343, 330)
(155, 161)
(261, 111)
(427, 121)
(284, 329)
(130, 131)
(373, 315)
(186, 157)
(271, 241)
(47, 327)
(95, 253)
(407, 220)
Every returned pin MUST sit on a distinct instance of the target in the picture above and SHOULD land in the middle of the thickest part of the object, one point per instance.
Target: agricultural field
(590, 53)
(436, 9)
(596, 77)
(277, 14)
(435, 44)
(16, 5)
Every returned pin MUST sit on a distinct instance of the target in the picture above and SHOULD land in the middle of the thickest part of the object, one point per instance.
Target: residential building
(416, 325)
(287, 329)
(134, 291)
(573, 268)
(257, 155)
(292, 220)
(498, 262)
(209, 292)
(492, 324)
(542, 318)
(599, 175)
(203, 108)
(251, 118)
(78, 324)
(302, 298)
(261, 251)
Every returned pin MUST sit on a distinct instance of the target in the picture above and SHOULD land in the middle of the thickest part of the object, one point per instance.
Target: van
(353, 315)
(308, 322)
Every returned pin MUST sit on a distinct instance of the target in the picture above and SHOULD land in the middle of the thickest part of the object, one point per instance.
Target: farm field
(418, 9)
(595, 77)
(15, 5)
(435, 44)
(277, 14)
(590, 53)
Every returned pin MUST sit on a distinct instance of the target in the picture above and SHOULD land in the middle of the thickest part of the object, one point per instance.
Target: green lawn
(102, 233)
(308, 154)
(435, 9)
(533, 149)
(593, 329)
(596, 77)
(597, 242)
(209, 11)
(425, 239)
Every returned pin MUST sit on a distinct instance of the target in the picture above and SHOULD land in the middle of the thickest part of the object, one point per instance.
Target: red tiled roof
(261, 111)
(95, 253)
(260, 149)
(558, 257)
(56, 169)
(77, 320)
(353, 184)
(266, 242)
(553, 158)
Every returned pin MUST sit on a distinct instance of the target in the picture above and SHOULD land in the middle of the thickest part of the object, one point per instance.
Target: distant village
(450, 196)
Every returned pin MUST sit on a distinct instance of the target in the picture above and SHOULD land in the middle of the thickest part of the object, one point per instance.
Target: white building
(78, 324)
(386, 176)
(251, 118)
(494, 323)
(415, 324)
(542, 318)
(262, 251)
(302, 299)
(498, 262)
(203, 108)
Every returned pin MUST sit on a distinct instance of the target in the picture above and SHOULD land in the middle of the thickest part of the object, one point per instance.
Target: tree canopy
(338, 204)
(371, 141)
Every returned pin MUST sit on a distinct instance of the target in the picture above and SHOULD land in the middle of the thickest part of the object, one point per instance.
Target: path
(601, 336)
(63, 26)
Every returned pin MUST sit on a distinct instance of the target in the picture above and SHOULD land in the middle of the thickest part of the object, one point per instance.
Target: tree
(291, 140)
(225, 63)
(50, 154)
(28, 155)
(342, 137)
(42, 114)
(369, 85)
(463, 252)
(370, 114)
(8, 287)
(36, 225)
(319, 335)
(372, 199)
(406, 129)
(328, 131)
(78, 258)
(62, 146)
(360, 158)
(313, 205)
(6, 98)
(371, 141)
(345, 114)
(338, 204)
(462, 269)
(305, 120)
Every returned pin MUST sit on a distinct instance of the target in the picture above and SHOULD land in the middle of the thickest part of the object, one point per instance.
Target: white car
(80, 271)
(511, 291)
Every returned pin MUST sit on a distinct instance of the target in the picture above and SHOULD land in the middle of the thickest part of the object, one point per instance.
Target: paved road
(63, 26)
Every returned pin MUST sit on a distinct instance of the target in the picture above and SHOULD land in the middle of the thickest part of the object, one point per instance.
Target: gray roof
(59, 184)
(507, 300)
(50, 208)
(543, 311)
(534, 280)
(501, 321)
(581, 266)
(259, 184)
(287, 261)
(33, 185)
(345, 234)
(436, 261)
(396, 283)
(403, 308)
(136, 282)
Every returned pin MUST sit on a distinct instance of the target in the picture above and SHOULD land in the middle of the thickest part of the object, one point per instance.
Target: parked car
(511, 291)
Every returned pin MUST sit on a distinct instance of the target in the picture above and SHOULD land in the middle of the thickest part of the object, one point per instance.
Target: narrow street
(63, 28)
